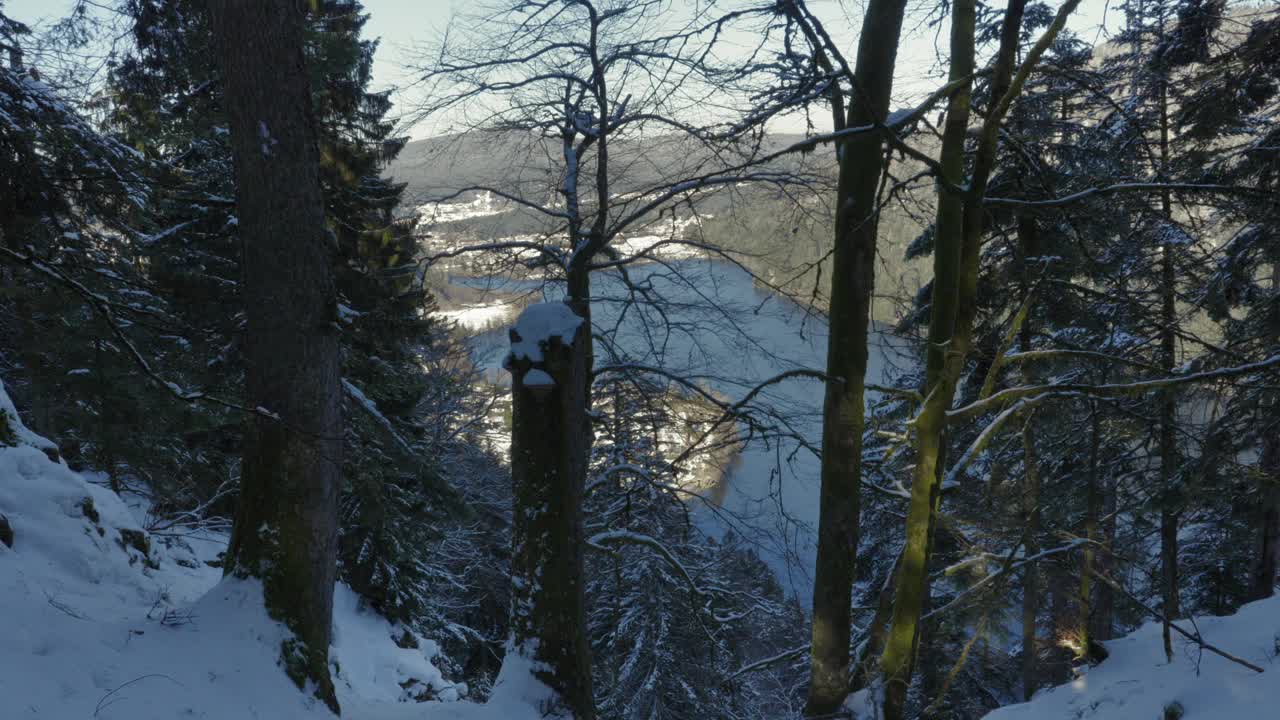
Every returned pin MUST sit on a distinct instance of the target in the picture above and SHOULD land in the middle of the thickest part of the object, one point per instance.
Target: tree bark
(958, 228)
(900, 648)
(1105, 611)
(1264, 576)
(285, 530)
(1264, 580)
(1031, 585)
(852, 281)
(1168, 401)
(1031, 581)
(550, 433)
(864, 665)
(1093, 507)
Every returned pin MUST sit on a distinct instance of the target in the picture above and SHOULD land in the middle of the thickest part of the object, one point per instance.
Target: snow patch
(1135, 681)
(9, 415)
(536, 378)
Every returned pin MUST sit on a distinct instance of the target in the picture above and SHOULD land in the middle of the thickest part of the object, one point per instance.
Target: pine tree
(673, 613)
(168, 103)
(80, 303)
(1229, 140)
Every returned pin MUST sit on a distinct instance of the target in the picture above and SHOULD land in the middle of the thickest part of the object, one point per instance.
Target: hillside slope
(1136, 683)
(101, 619)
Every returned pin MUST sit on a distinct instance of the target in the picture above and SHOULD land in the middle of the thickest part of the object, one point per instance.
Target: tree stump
(550, 442)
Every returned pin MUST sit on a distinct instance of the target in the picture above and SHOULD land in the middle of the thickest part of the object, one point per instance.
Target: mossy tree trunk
(852, 282)
(285, 529)
(897, 663)
(958, 228)
(550, 436)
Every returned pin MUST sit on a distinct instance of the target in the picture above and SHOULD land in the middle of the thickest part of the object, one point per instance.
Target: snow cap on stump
(538, 328)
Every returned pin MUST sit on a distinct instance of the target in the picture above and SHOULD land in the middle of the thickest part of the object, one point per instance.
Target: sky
(402, 24)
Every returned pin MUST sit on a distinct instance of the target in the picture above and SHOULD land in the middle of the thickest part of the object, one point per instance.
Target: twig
(103, 702)
(771, 660)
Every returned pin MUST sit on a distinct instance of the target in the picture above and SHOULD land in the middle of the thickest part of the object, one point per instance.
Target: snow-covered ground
(100, 619)
(1136, 683)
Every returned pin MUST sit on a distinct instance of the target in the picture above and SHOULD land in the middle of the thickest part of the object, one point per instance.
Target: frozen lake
(707, 319)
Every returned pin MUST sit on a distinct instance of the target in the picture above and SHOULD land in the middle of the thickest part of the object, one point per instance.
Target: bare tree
(590, 89)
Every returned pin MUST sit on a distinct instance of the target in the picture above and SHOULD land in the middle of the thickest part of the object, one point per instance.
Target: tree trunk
(934, 662)
(1168, 406)
(852, 280)
(550, 434)
(285, 529)
(1093, 507)
(863, 667)
(1264, 580)
(1106, 607)
(1028, 247)
(957, 234)
(1031, 585)
(897, 663)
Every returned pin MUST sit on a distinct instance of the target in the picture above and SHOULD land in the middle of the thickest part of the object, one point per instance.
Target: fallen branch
(1195, 638)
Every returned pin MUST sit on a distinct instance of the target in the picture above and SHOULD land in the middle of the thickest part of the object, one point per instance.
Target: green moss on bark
(8, 433)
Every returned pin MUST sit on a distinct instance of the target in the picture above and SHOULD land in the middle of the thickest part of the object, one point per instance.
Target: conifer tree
(168, 104)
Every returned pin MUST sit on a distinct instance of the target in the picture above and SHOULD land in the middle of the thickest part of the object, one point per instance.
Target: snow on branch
(601, 541)
(1121, 187)
(1012, 562)
(371, 409)
(783, 656)
(1112, 390)
(104, 308)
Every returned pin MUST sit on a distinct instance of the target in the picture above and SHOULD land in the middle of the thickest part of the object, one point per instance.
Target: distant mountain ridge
(517, 161)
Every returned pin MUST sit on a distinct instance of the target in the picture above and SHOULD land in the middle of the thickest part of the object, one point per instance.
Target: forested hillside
(749, 360)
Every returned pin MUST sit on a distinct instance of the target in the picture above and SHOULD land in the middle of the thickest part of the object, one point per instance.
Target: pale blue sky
(401, 23)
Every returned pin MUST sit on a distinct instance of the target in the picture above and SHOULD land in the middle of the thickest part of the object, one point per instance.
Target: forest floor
(102, 620)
